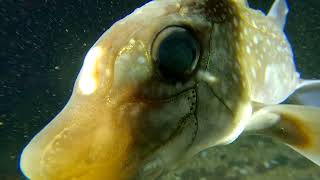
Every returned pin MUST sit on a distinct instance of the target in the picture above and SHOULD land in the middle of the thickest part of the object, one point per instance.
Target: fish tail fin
(295, 125)
(278, 12)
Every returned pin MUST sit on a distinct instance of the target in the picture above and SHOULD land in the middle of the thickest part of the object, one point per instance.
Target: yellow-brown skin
(131, 115)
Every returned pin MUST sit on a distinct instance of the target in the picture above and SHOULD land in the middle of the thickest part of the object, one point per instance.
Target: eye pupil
(175, 56)
(176, 52)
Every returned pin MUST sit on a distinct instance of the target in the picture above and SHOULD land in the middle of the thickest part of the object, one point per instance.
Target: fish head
(160, 83)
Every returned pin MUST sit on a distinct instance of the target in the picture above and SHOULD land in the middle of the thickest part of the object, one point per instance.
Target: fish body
(171, 79)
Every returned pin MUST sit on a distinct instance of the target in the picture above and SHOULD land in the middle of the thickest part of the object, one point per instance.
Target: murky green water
(43, 43)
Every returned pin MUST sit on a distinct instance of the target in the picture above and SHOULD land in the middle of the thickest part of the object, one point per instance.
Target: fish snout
(93, 136)
(81, 142)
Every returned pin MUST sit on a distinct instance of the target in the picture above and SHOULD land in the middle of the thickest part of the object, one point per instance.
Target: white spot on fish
(141, 60)
(108, 73)
(255, 39)
(207, 77)
(245, 32)
(259, 63)
(253, 72)
(254, 24)
(264, 49)
(214, 9)
(235, 22)
(235, 77)
(237, 46)
(132, 41)
(87, 81)
(268, 74)
(230, 11)
(87, 85)
(264, 28)
(269, 42)
(248, 49)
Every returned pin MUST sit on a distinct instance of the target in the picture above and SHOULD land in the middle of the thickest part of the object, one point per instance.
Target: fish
(171, 79)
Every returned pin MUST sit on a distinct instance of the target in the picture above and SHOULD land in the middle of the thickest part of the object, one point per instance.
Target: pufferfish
(174, 78)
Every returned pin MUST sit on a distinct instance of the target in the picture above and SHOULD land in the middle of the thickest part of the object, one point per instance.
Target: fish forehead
(266, 57)
(263, 52)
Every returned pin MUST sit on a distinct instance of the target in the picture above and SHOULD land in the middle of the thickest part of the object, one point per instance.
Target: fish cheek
(222, 88)
(214, 118)
(160, 123)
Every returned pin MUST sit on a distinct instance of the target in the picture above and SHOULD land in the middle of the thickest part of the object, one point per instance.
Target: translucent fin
(295, 125)
(278, 12)
(245, 2)
(308, 93)
(306, 83)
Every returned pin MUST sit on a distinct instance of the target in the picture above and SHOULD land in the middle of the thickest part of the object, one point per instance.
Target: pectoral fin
(295, 125)
(307, 93)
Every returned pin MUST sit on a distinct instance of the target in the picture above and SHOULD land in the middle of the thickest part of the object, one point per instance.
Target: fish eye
(176, 53)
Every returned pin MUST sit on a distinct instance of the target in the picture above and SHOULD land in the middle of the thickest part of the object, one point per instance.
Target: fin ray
(295, 125)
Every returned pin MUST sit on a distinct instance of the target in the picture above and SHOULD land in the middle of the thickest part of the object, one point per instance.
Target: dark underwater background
(42, 47)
